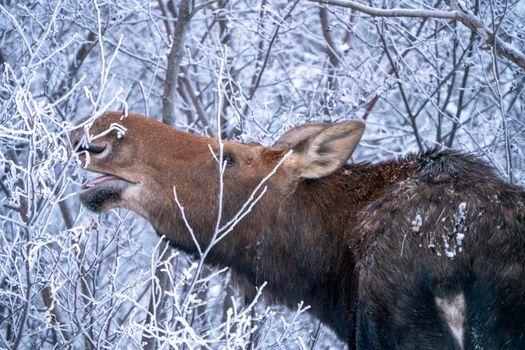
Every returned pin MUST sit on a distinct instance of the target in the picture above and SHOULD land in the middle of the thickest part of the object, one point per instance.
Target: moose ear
(294, 136)
(323, 153)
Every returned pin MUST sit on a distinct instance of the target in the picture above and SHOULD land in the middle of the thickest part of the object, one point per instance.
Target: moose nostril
(77, 145)
(90, 147)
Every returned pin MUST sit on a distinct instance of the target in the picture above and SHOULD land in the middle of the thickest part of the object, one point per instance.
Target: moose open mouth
(104, 192)
(104, 179)
(100, 180)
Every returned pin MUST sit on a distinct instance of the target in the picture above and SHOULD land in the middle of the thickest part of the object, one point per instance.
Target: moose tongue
(100, 179)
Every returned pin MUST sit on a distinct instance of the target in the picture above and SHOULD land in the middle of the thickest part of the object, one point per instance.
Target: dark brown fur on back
(451, 227)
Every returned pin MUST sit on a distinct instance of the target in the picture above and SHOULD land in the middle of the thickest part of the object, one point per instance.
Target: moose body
(426, 252)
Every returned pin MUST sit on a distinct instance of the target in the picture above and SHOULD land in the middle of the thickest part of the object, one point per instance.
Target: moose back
(425, 252)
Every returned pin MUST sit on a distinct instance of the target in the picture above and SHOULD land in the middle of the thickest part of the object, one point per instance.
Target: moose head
(140, 169)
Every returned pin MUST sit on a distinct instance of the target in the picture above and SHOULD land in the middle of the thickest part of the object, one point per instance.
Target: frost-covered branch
(466, 17)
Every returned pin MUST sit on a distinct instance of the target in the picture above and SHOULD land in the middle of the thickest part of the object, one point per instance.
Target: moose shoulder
(426, 252)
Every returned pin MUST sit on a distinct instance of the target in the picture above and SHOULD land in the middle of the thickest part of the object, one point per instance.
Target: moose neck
(300, 245)
(305, 251)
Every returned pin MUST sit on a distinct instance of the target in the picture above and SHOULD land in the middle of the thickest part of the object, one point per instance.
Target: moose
(423, 252)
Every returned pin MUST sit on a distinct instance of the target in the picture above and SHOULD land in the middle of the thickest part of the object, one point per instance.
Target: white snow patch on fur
(453, 310)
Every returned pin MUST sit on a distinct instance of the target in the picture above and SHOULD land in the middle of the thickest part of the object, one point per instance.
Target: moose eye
(226, 158)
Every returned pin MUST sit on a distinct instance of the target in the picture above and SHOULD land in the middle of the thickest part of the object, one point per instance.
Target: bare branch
(331, 48)
(399, 12)
(468, 19)
(174, 61)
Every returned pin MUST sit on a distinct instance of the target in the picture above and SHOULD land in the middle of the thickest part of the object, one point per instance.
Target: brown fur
(349, 243)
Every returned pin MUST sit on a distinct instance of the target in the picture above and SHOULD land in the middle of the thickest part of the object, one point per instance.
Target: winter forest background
(422, 74)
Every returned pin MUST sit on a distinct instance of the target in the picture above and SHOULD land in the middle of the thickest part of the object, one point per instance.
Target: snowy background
(73, 279)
